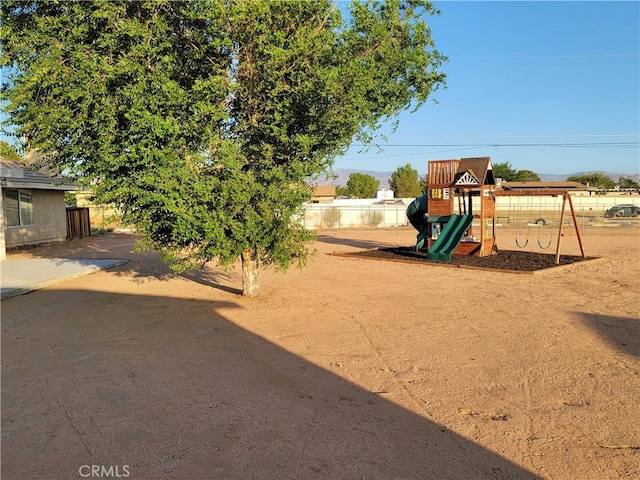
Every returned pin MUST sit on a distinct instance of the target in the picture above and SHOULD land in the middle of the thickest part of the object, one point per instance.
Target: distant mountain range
(341, 176)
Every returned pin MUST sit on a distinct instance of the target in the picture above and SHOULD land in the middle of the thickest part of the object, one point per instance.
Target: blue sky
(527, 73)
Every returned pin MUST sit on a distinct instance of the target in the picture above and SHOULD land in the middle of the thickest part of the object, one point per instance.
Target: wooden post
(564, 203)
(483, 225)
(575, 224)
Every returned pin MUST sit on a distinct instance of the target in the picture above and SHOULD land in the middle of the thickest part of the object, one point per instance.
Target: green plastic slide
(417, 215)
(449, 238)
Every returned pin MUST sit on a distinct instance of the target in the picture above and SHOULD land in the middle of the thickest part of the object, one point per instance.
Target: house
(323, 194)
(32, 208)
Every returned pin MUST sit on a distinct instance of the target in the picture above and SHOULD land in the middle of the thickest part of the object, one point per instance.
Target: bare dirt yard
(350, 368)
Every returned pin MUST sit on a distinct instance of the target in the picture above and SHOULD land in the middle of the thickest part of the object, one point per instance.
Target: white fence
(318, 216)
(589, 210)
(510, 210)
(593, 203)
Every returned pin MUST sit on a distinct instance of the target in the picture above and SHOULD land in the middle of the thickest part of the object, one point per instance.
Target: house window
(18, 207)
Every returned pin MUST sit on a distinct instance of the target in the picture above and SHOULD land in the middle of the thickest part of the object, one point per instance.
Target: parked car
(622, 211)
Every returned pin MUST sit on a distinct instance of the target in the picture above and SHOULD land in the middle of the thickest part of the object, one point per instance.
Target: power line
(577, 135)
(461, 147)
(579, 55)
(475, 145)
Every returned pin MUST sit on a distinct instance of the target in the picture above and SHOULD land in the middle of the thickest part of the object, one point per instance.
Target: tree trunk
(250, 283)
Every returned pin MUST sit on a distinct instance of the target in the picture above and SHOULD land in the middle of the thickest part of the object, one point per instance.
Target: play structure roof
(479, 168)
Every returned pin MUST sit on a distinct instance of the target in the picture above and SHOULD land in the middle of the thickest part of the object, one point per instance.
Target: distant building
(323, 194)
(384, 194)
(524, 186)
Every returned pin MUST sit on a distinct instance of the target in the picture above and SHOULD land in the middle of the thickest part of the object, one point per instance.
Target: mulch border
(467, 267)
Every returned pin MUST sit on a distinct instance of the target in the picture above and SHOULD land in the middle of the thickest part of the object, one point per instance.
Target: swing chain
(519, 228)
(544, 247)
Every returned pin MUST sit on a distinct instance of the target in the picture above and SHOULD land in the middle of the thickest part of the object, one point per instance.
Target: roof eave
(39, 186)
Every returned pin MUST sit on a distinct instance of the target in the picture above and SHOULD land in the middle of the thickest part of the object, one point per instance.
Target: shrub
(372, 218)
(331, 217)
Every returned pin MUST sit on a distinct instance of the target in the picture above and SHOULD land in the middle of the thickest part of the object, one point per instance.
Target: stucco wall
(50, 221)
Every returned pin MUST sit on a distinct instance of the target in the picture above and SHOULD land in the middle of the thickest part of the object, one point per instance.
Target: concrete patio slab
(22, 276)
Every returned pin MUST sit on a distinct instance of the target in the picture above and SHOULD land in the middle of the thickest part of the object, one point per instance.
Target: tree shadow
(336, 240)
(213, 279)
(171, 389)
(140, 267)
(621, 333)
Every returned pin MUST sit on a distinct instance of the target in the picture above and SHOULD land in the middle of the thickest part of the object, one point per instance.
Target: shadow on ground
(173, 390)
(213, 279)
(350, 242)
(621, 333)
(141, 267)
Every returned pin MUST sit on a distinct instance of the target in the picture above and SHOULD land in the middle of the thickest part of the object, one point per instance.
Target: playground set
(461, 191)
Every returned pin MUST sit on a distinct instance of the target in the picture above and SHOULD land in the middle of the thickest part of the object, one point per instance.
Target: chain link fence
(538, 210)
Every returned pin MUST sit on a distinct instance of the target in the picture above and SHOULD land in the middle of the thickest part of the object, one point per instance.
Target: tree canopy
(362, 185)
(626, 182)
(508, 173)
(202, 120)
(505, 171)
(527, 176)
(342, 191)
(424, 183)
(405, 182)
(7, 152)
(595, 180)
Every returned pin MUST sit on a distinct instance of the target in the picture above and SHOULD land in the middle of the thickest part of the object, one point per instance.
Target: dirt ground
(347, 369)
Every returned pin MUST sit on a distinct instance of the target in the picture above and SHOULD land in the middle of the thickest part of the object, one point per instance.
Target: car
(627, 210)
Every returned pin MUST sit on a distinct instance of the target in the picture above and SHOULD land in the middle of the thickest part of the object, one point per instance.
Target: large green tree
(405, 182)
(505, 171)
(424, 183)
(630, 183)
(527, 176)
(202, 120)
(342, 191)
(508, 173)
(362, 185)
(594, 180)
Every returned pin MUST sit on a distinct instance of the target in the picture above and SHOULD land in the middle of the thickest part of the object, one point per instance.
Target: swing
(544, 247)
(519, 227)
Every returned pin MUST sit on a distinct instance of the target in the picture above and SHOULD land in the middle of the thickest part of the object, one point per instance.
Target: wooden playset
(466, 186)
(457, 215)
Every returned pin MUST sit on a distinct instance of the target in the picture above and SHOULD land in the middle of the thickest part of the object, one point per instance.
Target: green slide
(417, 215)
(450, 237)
